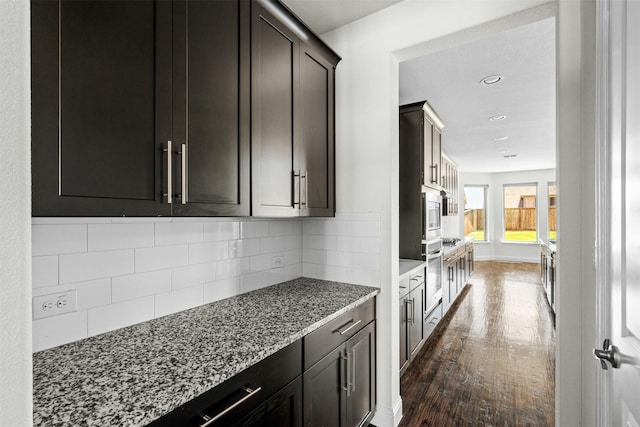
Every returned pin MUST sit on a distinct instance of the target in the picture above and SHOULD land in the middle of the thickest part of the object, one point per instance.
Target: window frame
(485, 195)
(504, 210)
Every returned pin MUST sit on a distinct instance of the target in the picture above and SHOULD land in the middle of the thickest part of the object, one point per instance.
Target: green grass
(520, 236)
(552, 235)
(477, 235)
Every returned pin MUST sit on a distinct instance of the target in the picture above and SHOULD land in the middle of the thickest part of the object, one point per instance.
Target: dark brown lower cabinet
(283, 409)
(404, 350)
(340, 390)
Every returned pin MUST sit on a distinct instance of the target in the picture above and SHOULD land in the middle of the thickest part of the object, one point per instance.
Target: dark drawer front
(321, 341)
(270, 375)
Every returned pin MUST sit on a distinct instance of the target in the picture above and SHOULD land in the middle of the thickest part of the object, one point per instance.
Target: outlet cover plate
(55, 304)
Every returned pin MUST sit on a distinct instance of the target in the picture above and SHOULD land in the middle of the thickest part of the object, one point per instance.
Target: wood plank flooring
(493, 364)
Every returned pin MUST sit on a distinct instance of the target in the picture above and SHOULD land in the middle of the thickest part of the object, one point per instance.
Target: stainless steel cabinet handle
(345, 359)
(306, 188)
(184, 173)
(349, 383)
(353, 370)
(295, 202)
(407, 303)
(210, 420)
(344, 331)
(169, 173)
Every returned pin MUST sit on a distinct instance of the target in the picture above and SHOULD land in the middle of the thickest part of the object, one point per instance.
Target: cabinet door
(404, 351)
(324, 390)
(361, 398)
(436, 155)
(429, 171)
(415, 319)
(101, 91)
(274, 79)
(283, 409)
(314, 147)
(211, 107)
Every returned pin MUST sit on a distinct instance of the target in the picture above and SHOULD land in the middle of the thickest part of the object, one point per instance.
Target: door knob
(609, 353)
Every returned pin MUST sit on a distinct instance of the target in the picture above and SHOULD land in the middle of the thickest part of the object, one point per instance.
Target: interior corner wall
(15, 214)
(367, 97)
(495, 248)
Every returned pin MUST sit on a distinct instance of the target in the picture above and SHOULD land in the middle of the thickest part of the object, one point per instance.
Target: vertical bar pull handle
(168, 194)
(184, 174)
(306, 188)
(295, 180)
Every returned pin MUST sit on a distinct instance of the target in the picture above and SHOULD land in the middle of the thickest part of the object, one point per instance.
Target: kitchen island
(135, 375)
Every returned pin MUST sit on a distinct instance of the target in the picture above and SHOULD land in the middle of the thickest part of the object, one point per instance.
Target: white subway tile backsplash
(183, 299)
(364, 228)
(95, 265)
(58, 330)
(244, 248)
(208, 252)
(314, 256)
(59, 239)
(363, 277)
(253, 281)
(161, 257)
(93, 293)
(221, 289)
(251, 229)
(104, 237)
(285, 227)
(175, 233)
(115, 316)
(232, 267)
(191, 275)
(215, 231)
(45, 271)
(358, 244)
(139, 285)
(128, 270)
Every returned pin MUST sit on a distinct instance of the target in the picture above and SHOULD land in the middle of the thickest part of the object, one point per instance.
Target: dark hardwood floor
(493, 364)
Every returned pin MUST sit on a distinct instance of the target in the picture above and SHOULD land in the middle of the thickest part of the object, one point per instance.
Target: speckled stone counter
(134, 375)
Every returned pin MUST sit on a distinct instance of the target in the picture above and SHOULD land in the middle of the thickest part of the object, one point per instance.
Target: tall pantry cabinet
(144, 108)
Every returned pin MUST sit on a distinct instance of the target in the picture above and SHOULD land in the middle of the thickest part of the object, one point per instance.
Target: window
(552, 210)
(520, 221)
(475, 202)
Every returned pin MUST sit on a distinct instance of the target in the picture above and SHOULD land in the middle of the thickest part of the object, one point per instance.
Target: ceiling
(450, 81)
(326, 15)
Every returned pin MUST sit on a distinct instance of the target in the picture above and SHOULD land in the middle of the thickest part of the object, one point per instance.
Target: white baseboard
(386, 416)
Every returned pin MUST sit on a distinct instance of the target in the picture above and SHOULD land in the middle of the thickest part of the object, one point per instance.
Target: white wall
(495, 248)
(367, 131)
(15, 213)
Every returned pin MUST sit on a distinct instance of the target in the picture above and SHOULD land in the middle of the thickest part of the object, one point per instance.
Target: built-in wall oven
(433, 282)
(431, 214)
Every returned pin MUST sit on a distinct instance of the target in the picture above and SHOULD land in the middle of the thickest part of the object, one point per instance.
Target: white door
(619, 226)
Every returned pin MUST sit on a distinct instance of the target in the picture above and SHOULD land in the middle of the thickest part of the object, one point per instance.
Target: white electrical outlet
(277, 261)
(54, 304)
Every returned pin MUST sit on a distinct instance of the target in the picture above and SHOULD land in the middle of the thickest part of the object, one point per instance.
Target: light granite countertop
(134, 375)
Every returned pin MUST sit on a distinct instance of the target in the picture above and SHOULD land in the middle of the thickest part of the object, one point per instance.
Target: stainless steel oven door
(434, 281)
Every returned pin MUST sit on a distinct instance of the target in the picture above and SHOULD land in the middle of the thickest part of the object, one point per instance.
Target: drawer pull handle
(344, 331)
(210, 420)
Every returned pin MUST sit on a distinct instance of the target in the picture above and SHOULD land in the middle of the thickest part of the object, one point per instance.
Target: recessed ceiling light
(491, 80)
(501, 138)
(496, 118)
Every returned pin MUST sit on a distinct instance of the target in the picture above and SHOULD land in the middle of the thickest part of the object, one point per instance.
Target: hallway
(494, 363)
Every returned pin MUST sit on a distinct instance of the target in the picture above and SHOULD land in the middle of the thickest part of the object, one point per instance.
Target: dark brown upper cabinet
(292, 116)
(187, 108)
(211, 108)
(101, 107)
